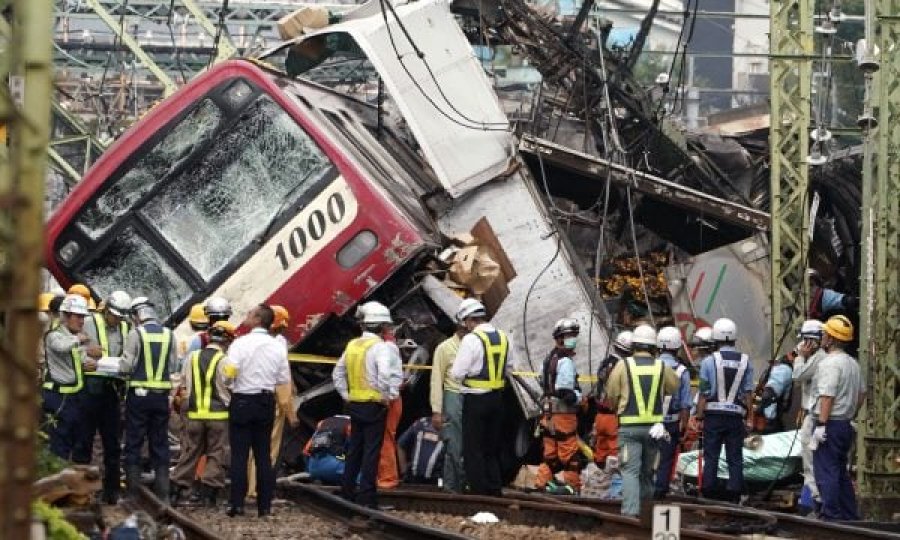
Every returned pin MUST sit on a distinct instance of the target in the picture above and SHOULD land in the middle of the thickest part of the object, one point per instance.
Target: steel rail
(163, 512)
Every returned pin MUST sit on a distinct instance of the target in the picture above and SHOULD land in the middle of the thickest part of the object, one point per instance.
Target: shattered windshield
(131, 262)
(227, 196)
(196, 129)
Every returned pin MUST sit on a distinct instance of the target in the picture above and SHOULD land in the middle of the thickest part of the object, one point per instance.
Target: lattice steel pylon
(27, 57)
(878, 448)
(791, 55)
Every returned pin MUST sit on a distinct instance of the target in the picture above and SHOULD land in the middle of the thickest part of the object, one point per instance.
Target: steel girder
(878, 450)
(26, 60)
(791, 54)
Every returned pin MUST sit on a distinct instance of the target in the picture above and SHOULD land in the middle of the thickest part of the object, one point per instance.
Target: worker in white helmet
(107, 330)
(367, 376)
(606, 422)
(677, 408)
(482, 366)
(809, 354)
(638, 385)
(726, 395)
(68, 357)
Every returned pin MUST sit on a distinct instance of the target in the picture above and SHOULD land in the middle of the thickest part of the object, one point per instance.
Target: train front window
(131, 261)
(226, 197)
(193, 131)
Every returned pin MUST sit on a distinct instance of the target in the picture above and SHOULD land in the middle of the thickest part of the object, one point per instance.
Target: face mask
(570, 342)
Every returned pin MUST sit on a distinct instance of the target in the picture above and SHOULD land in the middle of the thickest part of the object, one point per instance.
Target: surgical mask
(570, 342)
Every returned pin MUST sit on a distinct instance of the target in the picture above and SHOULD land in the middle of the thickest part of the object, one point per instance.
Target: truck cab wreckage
(293, 179)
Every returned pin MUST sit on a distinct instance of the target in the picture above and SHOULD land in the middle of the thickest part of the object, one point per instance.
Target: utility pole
(791, 55)
(878, 464)
(26, 62)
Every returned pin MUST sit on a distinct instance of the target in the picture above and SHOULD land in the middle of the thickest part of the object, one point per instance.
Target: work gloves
(818, 437)
(658, 432)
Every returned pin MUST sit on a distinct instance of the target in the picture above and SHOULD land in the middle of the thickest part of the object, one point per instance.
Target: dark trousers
(101, 413)
(727, 429)
(250, 420)
(832, 476)
(61, 418)
(667, 452)
(367, 422)
(482, 432)
(147, 418)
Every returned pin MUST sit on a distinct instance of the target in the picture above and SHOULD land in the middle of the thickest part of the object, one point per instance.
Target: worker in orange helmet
(83, 291)
(284, 400)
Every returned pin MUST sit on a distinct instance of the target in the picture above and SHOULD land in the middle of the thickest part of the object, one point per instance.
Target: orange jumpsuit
(606, 423)
(560, 428)
(388, 470)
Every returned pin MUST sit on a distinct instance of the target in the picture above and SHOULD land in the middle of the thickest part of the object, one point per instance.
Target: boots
(132, 479)
(210, 496)
(161, 483)
(177, 494)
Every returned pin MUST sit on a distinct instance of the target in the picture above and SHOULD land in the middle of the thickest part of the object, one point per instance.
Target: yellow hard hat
(839, 327)
(44, 301)
(81, 290)
(282, 317)
(222, 329)
(198, 315)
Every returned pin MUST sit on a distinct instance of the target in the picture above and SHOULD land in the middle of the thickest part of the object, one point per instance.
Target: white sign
(666, 522)
(17, 90)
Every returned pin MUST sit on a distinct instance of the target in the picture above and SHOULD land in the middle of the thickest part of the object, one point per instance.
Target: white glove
(658, 432)
(818, 437)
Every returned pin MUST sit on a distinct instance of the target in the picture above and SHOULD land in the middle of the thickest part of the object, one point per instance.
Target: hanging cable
(637, 255)
(219, 28)
(178, 61)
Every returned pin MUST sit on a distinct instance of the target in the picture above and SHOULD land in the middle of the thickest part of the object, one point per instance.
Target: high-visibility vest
(50, 384)
(496, 349)
(730, 369)
(204, 402)
(153, 373)
(103, 339)
(645, 401)
(357, 377)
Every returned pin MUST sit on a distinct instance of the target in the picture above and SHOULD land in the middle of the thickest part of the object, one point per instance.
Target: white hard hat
(644, 335)
(566, 326)
(668, 338)
(74, 304)
(375, 313)
(811, 328)
(216, 306)
(470, 308)
(623, 340)
(703, 336)
(142, 309)
(724, 330)
(118, 303)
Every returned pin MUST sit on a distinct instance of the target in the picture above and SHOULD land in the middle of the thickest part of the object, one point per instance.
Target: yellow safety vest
(202, 392)
(154, 377)
(496, 349)
(357, 380)
(50, 384)
(100, 325)
(640, 410)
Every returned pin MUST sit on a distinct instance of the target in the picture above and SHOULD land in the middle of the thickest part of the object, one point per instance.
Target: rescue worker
(207, 396)
(677, 408)
(69, 357)
(216, 309)
(481, 365)
(559, 423)
(702, 343)
(199, 322)
(446, 409)
(49, 320)
(284, 403)
(83, 291)
(148, 360)
(809, 354)
(638, 385)
(776, 395)
(422, 442)
(824, 301)
(103, 391)
(840, 389)
(326, 451)
(388, 467)
(259, 364)
(726, 394)
(364, 377)
(606, 422)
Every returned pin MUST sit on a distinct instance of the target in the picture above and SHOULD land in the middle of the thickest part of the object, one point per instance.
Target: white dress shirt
(261, 363)
(384, 371)
(470, 359)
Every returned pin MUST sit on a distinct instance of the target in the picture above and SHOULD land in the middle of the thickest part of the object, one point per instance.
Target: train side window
(356, 249)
